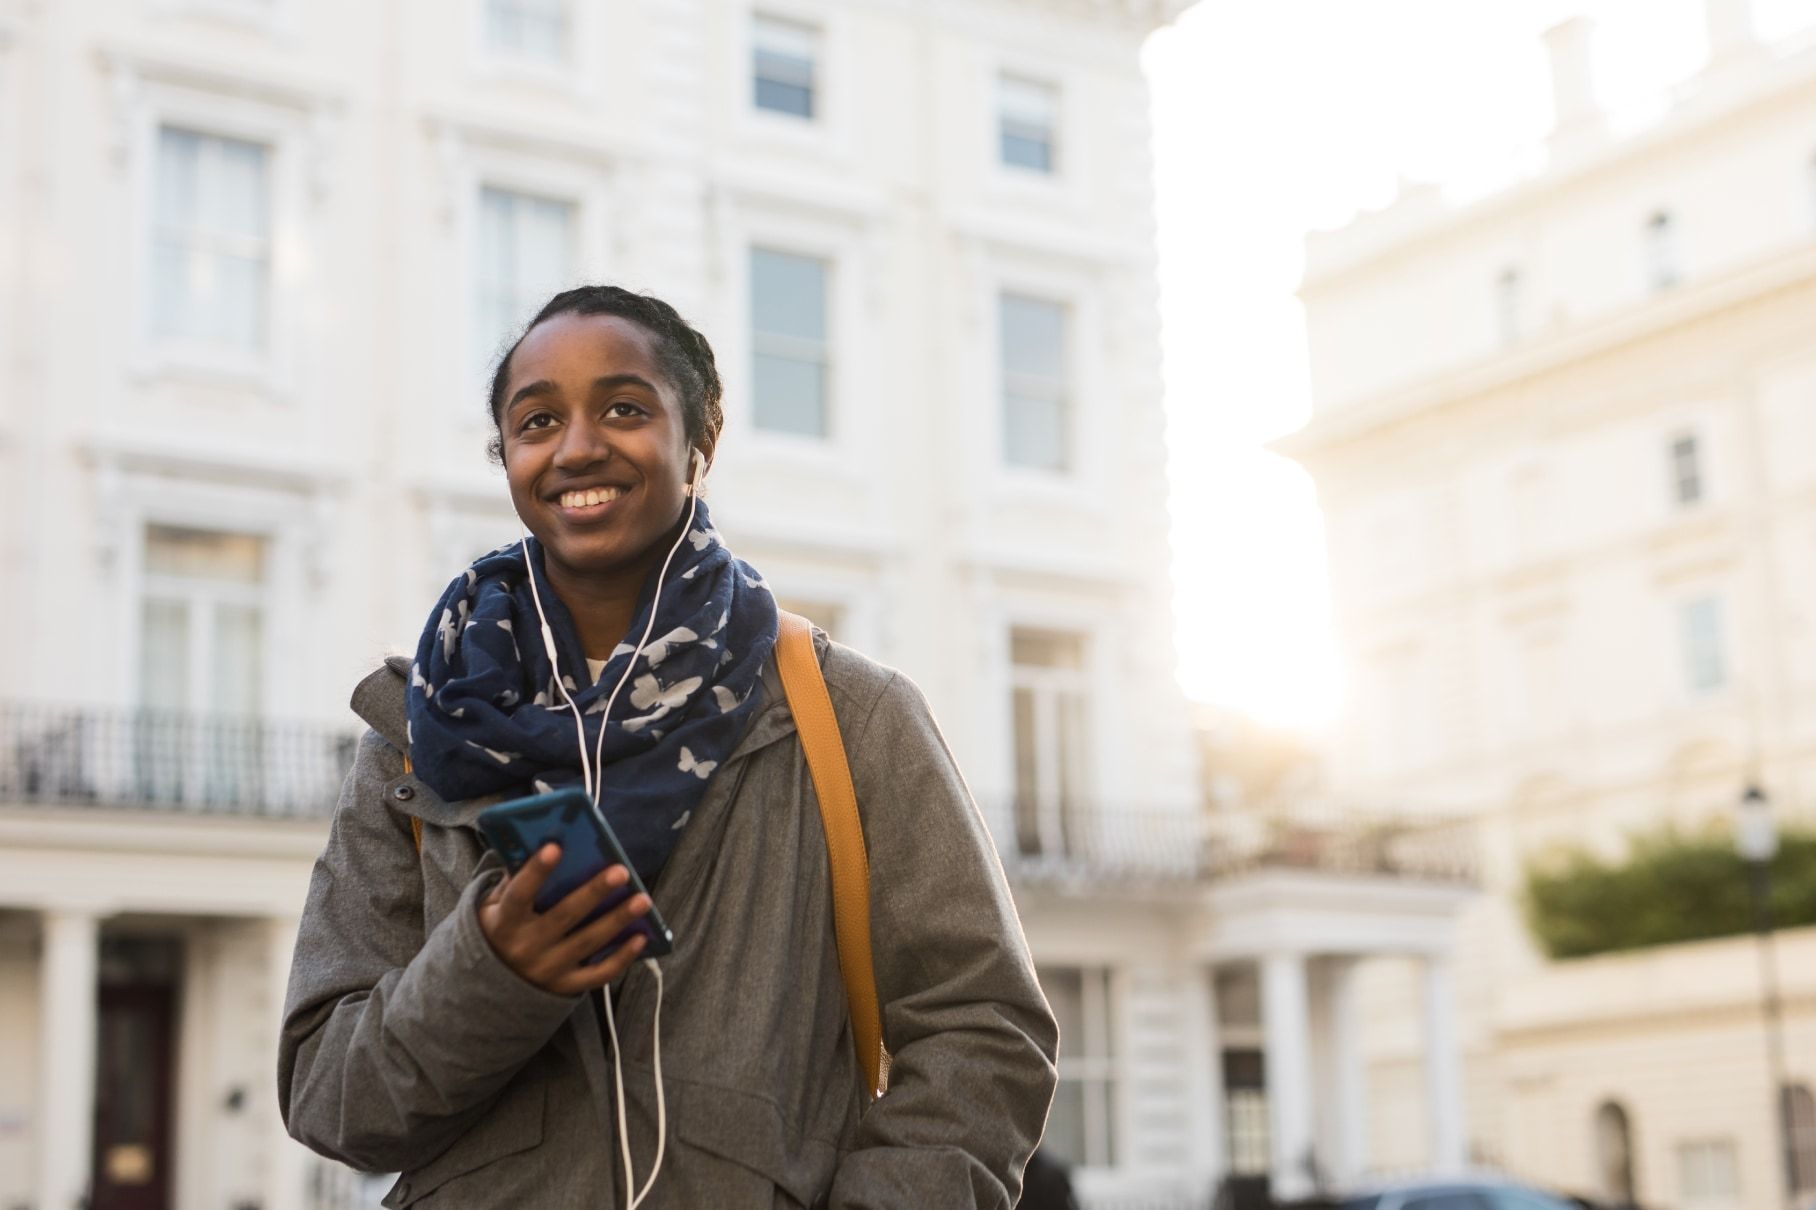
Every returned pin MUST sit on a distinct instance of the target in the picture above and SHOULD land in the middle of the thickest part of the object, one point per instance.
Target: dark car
(1455, 1193)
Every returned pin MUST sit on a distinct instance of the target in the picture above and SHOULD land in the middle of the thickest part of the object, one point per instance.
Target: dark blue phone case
(518, 828)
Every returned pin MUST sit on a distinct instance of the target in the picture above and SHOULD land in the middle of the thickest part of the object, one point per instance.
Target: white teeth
(591, 496)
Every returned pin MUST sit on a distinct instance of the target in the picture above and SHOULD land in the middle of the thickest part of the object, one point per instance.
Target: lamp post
(1756, 839)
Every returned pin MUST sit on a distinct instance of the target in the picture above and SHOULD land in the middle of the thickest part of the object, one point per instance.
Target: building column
(1348, 1093)
(1443, 1068)
(1204, 1078)
(1287, 1029)
(68, 1008)
(289, 1159)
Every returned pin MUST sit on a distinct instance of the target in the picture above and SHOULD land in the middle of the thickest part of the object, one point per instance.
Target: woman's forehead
(593, 345)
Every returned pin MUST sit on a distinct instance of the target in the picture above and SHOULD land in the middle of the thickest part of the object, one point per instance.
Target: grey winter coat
(408, 1046)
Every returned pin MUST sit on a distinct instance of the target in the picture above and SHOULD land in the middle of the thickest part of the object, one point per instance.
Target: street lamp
(1756, 839)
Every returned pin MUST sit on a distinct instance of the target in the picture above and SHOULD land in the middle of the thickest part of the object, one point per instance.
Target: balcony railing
(1097, 842)
(88, 756)
(249, 766)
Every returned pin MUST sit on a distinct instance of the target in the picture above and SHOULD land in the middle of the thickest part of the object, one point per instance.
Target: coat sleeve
(972, 1041)
(395, 1041)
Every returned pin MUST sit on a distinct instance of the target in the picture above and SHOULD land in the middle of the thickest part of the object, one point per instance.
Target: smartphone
(517, 829)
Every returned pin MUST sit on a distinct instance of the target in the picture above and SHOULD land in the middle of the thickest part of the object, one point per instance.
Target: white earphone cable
(593, 775)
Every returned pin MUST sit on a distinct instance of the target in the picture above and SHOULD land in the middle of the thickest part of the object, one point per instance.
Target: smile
(591, 500)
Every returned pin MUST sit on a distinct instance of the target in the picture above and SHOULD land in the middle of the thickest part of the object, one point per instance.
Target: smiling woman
(438, 1024)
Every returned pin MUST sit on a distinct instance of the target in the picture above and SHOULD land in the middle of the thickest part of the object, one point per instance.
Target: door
(133, 1102)
(1245, 1115)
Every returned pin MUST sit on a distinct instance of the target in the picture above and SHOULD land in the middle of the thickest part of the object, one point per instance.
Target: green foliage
(1671, 887)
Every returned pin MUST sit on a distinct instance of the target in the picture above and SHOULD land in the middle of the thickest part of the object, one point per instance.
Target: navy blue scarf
(486, 715)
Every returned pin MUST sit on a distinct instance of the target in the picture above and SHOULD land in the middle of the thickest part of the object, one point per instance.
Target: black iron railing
(84, 755)
(252, 766)
(1184, 845)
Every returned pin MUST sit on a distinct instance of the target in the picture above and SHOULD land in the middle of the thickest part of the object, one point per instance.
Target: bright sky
(1275, 118)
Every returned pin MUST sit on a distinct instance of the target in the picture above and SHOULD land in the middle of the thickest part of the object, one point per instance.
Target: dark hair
(683, 354)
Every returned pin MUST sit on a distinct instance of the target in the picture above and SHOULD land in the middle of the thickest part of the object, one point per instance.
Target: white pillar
(1349, 1103)
(1443, 1068)
(66, 1098)
(1288, 1048)
(1204, 1078)
(289, 1159)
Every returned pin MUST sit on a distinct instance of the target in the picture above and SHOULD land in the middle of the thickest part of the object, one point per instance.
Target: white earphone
(592, 773)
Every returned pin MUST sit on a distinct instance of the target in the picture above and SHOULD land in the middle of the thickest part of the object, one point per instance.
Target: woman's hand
(543, 947)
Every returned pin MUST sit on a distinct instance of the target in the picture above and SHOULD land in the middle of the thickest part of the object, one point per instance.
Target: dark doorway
(135, 1057)
(1245, 1117)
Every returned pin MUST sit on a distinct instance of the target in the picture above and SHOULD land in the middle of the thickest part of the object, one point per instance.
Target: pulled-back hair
(681, 352)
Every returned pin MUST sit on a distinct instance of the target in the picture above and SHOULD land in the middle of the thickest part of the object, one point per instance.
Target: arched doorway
(1614, 1153)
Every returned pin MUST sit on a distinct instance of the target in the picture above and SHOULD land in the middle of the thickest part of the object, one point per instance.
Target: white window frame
(843, 244)
(1687, 639)
(1664, 251)
(1674, 479)
(578, 70)
(1108, 758)
(463, 380)
(829, 341)
(284, 132)
(1056, 143)
(1065, 188)
(1092, 438)
(830, 133)
(1104, 1004)
(1717, 1146)
(283, 519)
(1056, 821)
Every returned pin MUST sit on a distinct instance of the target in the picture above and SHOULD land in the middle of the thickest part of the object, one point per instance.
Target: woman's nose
(581, 446)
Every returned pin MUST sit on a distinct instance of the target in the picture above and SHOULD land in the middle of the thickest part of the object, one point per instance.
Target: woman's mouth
(589, 502)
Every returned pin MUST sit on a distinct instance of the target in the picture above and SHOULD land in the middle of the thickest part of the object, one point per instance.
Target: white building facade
(1565, 442)
(258, 256)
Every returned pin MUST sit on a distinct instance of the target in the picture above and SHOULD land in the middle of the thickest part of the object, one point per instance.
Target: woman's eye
(624, 408)
(538, 421)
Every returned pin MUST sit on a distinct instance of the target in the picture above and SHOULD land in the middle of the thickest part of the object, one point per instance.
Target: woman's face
(595, 445)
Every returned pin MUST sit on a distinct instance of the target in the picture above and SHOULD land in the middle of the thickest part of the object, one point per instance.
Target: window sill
(253, 375)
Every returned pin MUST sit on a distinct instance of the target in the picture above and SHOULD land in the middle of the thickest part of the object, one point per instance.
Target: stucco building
(1565, 440)
(256, 257)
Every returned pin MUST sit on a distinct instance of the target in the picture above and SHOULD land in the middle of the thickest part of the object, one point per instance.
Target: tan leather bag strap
(818, 728)
(415, 822)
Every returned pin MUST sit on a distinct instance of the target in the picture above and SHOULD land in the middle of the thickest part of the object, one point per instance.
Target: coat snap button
(404, 793)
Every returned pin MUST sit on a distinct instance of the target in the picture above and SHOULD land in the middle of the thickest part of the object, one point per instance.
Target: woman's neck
(603, 607)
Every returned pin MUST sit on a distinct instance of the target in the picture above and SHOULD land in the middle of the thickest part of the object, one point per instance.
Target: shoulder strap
(415, 821)
(818, 728)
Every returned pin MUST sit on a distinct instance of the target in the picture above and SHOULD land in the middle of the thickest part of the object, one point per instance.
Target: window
(791, 362)
(828, 617)
(1661, 251)
(1050, 688)
(1027, 116)
(1081, 1128)
(784, 67)
(1036, 407)
(1705, 669)
(526, 249)
(1706, 1170)
(201, 664)
(211, 243)
(1686, 470)
(1507, 306)
(528, 29)
(1614, 1154)
(1245, 1111)
(1800, 1137)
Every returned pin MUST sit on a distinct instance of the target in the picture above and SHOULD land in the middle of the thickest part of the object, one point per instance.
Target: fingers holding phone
(545, 948)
